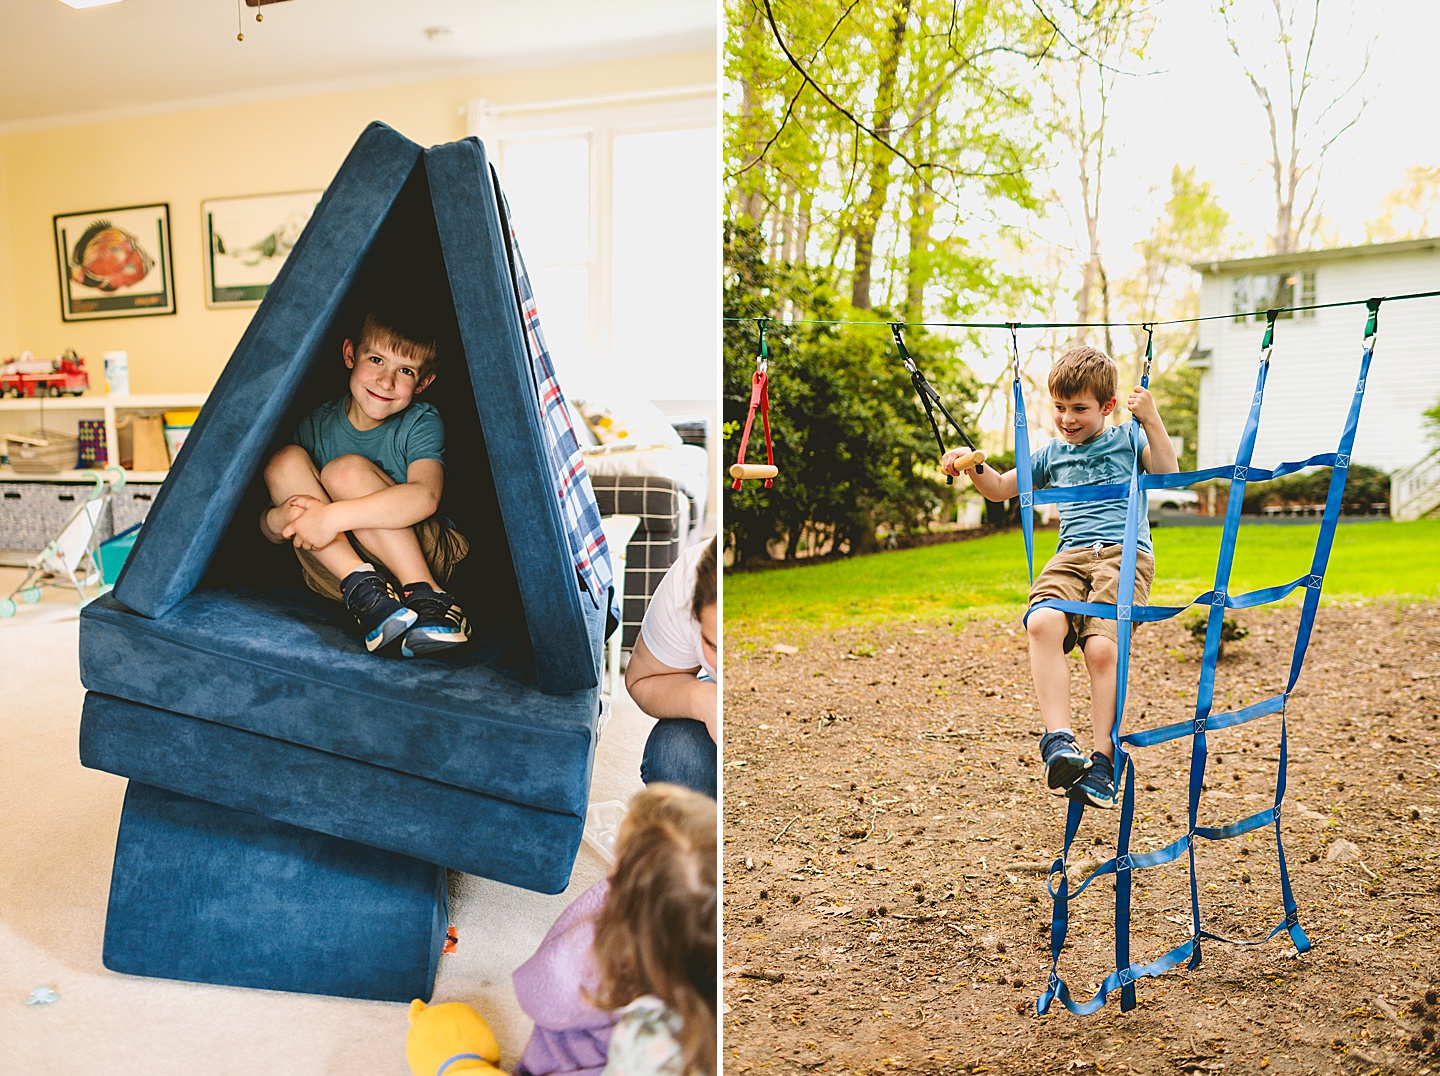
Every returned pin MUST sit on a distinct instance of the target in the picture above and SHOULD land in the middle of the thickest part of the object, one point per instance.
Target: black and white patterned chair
(664, 512)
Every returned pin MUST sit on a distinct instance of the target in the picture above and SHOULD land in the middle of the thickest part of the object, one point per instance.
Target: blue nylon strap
(1151, 737)
(1116, 980)
(1024, 479)
(1134, 862)
(1235, 829)
(1113, 491)
(1218, 599)
(1292, 911)
(1117, 491)
(1124, 607)
(1148, 613)
(1060, 915)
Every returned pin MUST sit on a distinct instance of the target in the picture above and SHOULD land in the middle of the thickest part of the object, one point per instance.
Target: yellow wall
(9, 331)
(185, 157)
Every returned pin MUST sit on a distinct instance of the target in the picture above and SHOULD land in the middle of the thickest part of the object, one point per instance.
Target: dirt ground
(888, 837)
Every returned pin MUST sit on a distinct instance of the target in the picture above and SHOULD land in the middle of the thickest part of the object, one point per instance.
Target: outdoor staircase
(1415, 490)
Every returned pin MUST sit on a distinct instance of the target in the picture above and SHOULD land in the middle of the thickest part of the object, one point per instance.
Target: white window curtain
(616, 205)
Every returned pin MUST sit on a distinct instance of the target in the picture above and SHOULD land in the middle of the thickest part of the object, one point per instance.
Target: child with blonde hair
(624, 983)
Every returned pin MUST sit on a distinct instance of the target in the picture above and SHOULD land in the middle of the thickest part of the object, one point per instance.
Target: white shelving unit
(63, 414)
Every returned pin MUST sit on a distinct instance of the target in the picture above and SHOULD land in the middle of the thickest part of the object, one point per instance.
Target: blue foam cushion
(474, 240)
(206, 894)
(432, 821)
(285, 665)
(392, 223)
(231, 438)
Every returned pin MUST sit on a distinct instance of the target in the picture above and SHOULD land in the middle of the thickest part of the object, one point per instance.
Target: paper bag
(142, 443)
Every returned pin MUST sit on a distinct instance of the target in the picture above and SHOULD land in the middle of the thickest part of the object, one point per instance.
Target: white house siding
(1315, 361)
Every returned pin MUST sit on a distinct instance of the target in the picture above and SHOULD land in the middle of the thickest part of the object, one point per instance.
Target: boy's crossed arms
(358, 495)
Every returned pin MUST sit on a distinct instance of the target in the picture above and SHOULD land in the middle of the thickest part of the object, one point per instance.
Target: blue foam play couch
(276, 767)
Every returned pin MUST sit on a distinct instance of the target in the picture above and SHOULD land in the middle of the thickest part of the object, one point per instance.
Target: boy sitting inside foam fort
(358, 494)
(1086, 564)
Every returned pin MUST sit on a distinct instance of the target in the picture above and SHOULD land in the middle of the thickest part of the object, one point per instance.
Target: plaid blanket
(578, 510)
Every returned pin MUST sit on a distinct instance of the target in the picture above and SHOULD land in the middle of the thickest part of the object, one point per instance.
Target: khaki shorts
(1091, 575)
(444, 547)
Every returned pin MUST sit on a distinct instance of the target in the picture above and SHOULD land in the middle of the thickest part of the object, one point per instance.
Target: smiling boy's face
(382, 382)
(1080, 418)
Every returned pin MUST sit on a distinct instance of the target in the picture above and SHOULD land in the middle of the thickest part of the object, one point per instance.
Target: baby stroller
(70, 558)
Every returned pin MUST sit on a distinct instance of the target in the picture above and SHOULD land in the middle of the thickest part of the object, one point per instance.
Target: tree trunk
(917, 268)
(867, 216)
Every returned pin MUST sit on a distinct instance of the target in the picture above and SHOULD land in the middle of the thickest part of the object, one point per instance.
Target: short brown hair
(657, 931)
(705, 583)
(1084, 369)
(384, 330)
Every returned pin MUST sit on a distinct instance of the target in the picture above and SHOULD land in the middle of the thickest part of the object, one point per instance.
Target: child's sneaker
(1097, 787)
(1064, 764)
(439, 622)
(375, 605)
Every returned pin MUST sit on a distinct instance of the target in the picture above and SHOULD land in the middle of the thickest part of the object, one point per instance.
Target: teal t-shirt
(1104, 459)
(417, 433)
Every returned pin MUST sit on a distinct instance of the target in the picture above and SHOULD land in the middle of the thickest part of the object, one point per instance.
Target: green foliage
(1177, 394)
(850, 440)
(1191, 227)
(1411, 210)
(1364, 486)
(880, 167)
(1432, 421)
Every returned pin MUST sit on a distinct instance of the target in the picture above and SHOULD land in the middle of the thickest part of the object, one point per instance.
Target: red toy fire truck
(27, 376)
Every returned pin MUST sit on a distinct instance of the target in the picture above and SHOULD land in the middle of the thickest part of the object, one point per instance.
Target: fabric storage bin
(132, 503)
(32, 513)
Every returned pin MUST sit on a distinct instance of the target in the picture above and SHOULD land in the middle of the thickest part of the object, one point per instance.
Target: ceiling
(57, 62)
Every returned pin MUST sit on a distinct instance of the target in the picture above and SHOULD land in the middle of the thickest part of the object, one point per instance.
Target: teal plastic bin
(112, 554)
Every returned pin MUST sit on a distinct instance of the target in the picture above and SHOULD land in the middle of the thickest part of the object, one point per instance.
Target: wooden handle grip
(754, 470)
(964, 463)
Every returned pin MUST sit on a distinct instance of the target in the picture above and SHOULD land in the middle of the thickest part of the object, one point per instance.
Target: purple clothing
(571, 1036)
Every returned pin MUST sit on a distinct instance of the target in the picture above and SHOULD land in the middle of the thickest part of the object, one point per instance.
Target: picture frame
(247, 240)
(115, 263)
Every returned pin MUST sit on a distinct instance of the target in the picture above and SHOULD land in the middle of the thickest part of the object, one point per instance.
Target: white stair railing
(1415, 490)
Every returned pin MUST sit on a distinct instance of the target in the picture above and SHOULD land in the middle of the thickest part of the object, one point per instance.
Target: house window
(614, 203)
(1269, 291)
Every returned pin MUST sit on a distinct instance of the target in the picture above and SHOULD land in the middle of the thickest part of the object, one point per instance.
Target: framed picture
(115, 263)
(247, 241)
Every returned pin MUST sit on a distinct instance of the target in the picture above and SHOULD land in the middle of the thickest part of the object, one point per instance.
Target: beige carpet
(57, 833)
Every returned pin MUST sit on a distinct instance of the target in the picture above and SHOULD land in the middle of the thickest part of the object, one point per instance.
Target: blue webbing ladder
(1218, 599)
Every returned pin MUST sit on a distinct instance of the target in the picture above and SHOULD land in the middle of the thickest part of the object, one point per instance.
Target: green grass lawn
(986, 576)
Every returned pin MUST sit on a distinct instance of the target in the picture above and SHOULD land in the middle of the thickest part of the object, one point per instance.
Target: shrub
(1364, 486)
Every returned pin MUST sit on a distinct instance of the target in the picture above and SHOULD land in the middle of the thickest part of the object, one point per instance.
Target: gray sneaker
(1064, 764)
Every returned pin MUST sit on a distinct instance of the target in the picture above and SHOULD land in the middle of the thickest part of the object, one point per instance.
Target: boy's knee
(1100, 651)
(342, 475)
(1046, 625)
(286, 460)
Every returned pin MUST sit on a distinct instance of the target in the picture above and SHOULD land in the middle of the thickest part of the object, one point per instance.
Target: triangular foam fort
(431, 226)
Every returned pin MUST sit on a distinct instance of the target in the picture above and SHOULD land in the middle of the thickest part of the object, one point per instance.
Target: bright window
(1269, 291)
(615, 205)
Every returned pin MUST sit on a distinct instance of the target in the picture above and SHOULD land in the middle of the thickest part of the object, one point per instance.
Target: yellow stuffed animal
(448, 1039)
